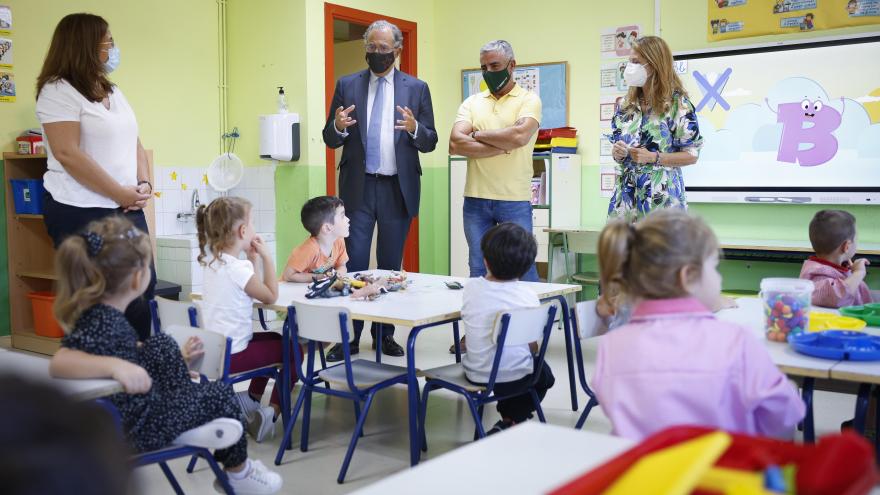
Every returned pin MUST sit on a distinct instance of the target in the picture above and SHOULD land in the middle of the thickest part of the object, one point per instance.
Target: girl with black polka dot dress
(100, 272)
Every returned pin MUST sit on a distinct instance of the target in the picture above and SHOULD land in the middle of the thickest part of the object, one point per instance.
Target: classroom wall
(168, 72)
(275, 42)
(572, 34)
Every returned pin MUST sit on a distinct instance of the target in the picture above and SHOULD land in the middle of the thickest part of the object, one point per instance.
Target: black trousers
(63, 220)
(520, 407)
(383, 207)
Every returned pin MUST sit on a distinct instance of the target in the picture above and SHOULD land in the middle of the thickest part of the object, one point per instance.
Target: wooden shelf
(27, 340)
(11, 155)
(27, 216)
(45, 275)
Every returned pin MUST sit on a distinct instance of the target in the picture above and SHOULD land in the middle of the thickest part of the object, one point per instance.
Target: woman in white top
(96, 164)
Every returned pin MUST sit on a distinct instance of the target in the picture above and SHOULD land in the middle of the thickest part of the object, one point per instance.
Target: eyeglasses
(374, 48)
(112, 43)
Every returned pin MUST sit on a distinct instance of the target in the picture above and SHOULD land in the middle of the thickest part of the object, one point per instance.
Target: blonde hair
(644, 260)
(97, 262)
(216, 223)
(663, 82)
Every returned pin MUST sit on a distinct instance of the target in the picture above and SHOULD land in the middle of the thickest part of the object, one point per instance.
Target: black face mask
(379, 62)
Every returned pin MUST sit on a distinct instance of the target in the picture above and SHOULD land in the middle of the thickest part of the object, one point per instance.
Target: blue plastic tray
(837, 344)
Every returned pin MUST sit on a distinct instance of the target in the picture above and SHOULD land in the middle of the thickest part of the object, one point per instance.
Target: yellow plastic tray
(830, 321)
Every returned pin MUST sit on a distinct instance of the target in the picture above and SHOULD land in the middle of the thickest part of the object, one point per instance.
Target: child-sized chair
(357, 380)
(512, 328)
(585, 323)
(165, 310)
(209, 366)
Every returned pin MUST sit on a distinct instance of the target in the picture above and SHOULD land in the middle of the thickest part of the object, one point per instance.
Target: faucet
(194, 205)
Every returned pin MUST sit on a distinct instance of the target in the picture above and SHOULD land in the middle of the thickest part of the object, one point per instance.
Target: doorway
(344, 29)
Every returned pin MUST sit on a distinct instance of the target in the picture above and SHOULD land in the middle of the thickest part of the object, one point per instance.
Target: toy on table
(786, 306)
(837, 345)
(454, 285)
(829, 321)
(364, 286)
(869, 313)
(685, 459)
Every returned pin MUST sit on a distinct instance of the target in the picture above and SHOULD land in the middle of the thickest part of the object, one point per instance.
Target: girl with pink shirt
(674, 363)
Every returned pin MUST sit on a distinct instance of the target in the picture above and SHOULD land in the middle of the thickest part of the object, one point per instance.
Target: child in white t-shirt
(508, 252)
(231, 284)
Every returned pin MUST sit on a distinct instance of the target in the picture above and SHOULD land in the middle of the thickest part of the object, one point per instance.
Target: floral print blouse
(641, 188)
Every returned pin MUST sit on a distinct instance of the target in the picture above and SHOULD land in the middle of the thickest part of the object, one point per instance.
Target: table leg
(807, 395)
(569, 357)
(413, 399)
(380, 331)
(860, 418)
(455, 335)
(412, 389)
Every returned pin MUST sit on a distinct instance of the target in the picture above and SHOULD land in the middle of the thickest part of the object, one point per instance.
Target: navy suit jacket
(408, 92)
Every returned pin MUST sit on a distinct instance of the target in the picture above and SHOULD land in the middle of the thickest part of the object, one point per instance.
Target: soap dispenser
(282, 100)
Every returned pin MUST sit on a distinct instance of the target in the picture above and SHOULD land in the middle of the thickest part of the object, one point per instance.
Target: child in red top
(839, 279)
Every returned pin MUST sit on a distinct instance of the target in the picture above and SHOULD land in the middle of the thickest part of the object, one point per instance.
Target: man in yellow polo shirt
(496, 130)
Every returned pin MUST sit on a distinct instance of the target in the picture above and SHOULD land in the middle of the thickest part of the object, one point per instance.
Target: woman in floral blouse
(654, 132)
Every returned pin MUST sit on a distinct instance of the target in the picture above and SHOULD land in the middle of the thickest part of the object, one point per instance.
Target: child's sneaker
(256, 480)
(260, 424)
(247, 403)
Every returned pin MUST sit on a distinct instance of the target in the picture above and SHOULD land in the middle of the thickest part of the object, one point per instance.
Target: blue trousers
(480, 215)
(383, 207)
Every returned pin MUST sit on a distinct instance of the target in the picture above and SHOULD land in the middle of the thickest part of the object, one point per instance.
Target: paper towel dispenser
(279, 137)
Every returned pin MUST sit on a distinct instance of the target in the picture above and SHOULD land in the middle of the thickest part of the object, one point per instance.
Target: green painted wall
(279, 42)
(168, 72)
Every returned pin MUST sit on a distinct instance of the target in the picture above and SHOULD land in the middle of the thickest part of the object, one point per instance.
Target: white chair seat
(364, 373)
(452, 373)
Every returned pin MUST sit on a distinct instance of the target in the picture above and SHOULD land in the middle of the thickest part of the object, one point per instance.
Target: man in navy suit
(382, 118)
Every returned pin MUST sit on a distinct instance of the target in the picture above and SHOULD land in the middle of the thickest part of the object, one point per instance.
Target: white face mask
(635, 74)
(112, 59)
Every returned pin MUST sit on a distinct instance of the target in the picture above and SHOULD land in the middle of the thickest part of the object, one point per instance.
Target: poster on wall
(7, 87)
(618, 41)
(611, 77)
(6, 53)
(730, 19)
(5, 19)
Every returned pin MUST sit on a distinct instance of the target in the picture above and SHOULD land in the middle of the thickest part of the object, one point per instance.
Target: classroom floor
(384, 449)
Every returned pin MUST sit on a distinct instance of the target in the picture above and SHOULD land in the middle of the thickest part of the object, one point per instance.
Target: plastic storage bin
(786, 306)
(44, 321)
(28, 196)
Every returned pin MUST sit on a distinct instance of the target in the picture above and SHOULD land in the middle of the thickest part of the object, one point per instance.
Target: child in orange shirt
(324, 251)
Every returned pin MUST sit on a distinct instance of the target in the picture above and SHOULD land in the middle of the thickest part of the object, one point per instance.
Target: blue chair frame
(162, 456)
(282, 376)
(579, 355)
(477, 400)
(312, 383)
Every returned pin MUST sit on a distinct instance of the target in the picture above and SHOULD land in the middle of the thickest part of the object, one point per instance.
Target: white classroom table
(425, 303)
(36, 368)
(531, 458)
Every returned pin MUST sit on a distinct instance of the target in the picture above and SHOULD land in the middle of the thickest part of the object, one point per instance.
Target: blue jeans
(480, 215)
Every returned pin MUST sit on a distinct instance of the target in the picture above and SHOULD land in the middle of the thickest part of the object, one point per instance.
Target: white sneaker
(216, 434)
(258, 481)
(247, 404)
(260, 424)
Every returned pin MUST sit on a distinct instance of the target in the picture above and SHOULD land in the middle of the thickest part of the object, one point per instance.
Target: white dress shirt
(387, 157)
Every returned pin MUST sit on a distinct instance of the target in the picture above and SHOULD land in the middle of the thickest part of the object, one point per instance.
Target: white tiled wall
(176, 260)
(175, 186)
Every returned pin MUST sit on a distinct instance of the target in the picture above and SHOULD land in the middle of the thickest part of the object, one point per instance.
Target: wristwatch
(474, 135)
(147, 183)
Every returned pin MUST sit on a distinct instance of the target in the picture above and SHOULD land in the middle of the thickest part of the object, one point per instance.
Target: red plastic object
(838, 465)
(44, 319)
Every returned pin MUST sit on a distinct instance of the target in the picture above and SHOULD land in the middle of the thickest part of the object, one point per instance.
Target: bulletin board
(548, 80)
(741, 19)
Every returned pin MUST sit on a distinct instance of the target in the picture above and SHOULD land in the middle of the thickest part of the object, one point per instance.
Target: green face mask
(496, 80)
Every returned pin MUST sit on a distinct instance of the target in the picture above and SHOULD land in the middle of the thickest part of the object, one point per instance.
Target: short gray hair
(498, 46)
(383, 24)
